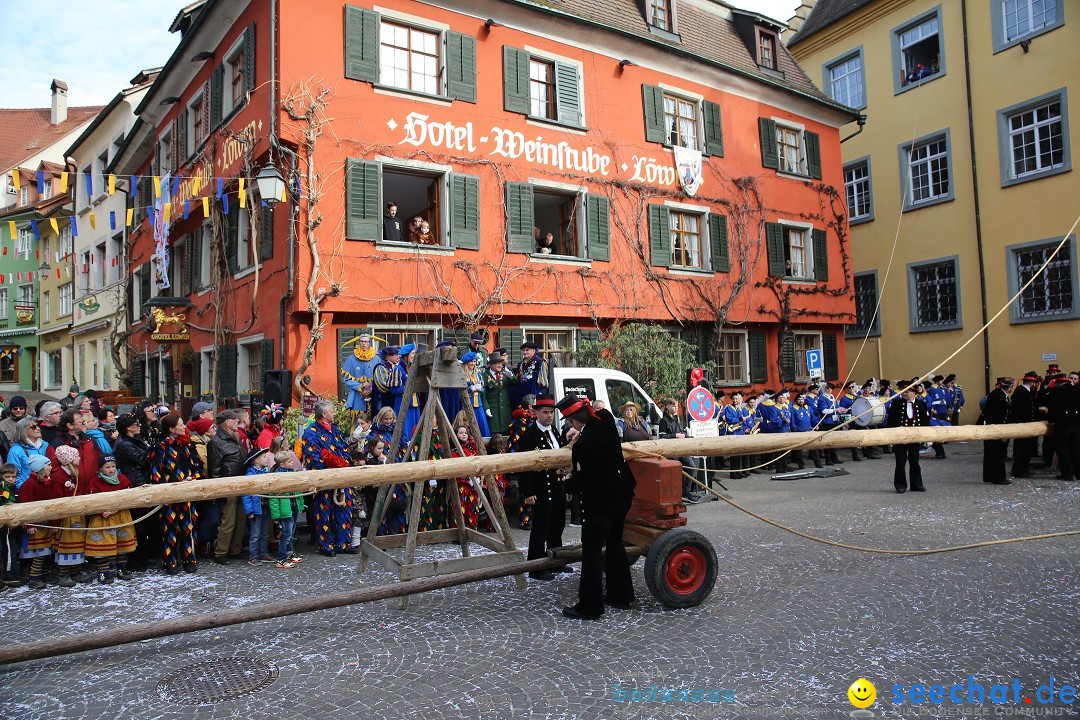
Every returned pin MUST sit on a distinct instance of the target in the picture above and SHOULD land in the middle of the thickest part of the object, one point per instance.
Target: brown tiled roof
(24, 132)
(703, 34)
(824, 14)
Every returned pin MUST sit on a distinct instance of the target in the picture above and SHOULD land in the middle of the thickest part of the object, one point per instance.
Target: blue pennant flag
(187, 209)
(152, 211)
(220, 185)
(41, 182)
(74, 228)
(89, 185)
(224, 203)
(112, 219)
(176, 185)
(37, 233)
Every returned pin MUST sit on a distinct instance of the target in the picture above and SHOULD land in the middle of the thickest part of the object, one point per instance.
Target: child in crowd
(468, 487)
(289, 462)
(71, 545)
(9, 537)
(285, 509)
(257, 510)
(37, 541)
(111, 535)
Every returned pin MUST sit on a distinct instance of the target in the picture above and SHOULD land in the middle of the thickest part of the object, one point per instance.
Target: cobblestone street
(790, 625)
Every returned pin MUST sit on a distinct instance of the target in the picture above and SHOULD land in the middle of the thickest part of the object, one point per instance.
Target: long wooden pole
(310, 480)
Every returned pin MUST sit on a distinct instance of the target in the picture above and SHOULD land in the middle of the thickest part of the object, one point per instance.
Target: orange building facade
(684, 166)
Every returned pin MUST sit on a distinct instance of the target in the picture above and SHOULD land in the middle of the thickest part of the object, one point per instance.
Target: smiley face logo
(862, 693)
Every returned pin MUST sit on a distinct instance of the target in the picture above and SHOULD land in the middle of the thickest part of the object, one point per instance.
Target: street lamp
(270, 184)
(44, 270)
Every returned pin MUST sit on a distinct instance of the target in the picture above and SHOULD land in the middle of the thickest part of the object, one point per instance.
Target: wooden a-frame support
(430, 372)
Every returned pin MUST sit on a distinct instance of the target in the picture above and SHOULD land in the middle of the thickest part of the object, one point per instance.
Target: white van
(611, 386)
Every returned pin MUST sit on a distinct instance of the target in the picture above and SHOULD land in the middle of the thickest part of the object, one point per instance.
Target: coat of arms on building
(688, 168)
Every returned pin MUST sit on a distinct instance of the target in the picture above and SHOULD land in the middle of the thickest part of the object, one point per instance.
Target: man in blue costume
(531, 372)
(357, 372)
(323, 445)
(389, 379)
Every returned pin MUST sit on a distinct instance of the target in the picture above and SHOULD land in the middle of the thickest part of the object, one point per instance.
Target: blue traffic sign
(700, 404)
(814, 363)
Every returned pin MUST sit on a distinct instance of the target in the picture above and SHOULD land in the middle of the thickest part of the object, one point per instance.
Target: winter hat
(105, 459)
(199, 408)
(17, 401)
(37, 462)
(67, 455)
(74, 388)
(200, 426)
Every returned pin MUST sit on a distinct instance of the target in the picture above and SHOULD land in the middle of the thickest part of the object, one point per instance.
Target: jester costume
(324, 447)
(469, 488)
(522, 419)
(433, 515)
(357, 371)
(390, 383)
(175, 459)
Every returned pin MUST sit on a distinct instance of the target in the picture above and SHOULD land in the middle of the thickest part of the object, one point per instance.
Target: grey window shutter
(344, 335)
(511, 339)
(821, 254)
(144, 284)
(170, 380)
(249, 58)
(598, 226)
(195, 259)
(787, 357)
(138, 376)
(461, 67)
(266, 233)
(770, 157)
(759, 359)
(361, 44)
(659, 235)
(196, 375)
(363, 182)
(832, 358)
(590, 335)
(217, 94)
(266, 362)
(232, 237)
(519, 218)
(567, 96)
(653, 99)
(154, 384)
(465, 211)
(180, 153)
(146, 194)
(515, 80)
(226, 371)
(813, 154)
(718, 237)
(714, 133)
(189, 265)
(774, 248)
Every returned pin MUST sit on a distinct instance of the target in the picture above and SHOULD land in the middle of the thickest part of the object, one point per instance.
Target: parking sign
(814, 363)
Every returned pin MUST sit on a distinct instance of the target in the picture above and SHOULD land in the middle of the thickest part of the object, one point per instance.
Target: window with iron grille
(1051, 293)
(934, 295)
(866, 298)
(731, 358)
(1036, 140)
(857, 191)
(409, 58)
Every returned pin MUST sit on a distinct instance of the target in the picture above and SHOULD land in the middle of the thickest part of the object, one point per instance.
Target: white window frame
(46, 306)
(244, 346)
(442, 175)
(65, 242)
(851, 189)
(579, 192)
(26, 238)
(907, 176)
(419, 25)
(24, 195)
(803, 170)
(998, 13)
(900, 70)
(189, 132)
(808, 248)
(554, 61)
(234, 57)
(66, 297)
(47, 189)
(571, 342)
(24, 294)
(699, 112)
(1006, 135)
(706, 239)
(802, 373)
(852, 76)
(3, 302)
(206, 364)
(166, 146)
(744, 378)
(136, 292)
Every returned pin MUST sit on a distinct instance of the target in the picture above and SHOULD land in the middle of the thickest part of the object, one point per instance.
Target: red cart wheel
(681, 568)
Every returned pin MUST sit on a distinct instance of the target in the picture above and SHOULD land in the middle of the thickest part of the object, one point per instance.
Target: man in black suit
(607, 488)
(1064, 411)
(907, 411)
(996, 412)
(1022, 410)
(543, 489)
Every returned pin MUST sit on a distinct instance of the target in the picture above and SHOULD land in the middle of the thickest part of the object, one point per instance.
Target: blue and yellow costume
(333, 508)
(389, 380)
(357, 371)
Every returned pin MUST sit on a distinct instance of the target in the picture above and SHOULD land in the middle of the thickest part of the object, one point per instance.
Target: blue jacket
(390, 384)
(733, 418)
(354, 373)
(20, 458)
(825, 403)
(771, 417)
(802, 418)
(253, 503)
(785, 417)
(937, 402)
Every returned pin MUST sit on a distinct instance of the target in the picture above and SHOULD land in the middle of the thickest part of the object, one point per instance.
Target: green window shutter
(266, 233)
(459, 336)
(181, 153)
(832, 357)
(653, 99)
(787, 357)
(363, 182)
(361, 44)
(249, 58)
(820, 241)
(515, 80)
(232, 237)
(344, 335)
(267, 361)
(196, 375)
(195, 259)
(226, 371)
(590, 335)
(659, 235)
(714, 133)
(144, 283)
(567, 98)
(465, 211)
(519, 218)
(146, 194)
(718, 237)
(217, 94)
(813, 154)
(770, 157)
(138, 376)
(170, 380)
(511, 339)
(774, 247)
(188, 269)
(154, 381)
(598, 226)
(759, 359)
(461, 67)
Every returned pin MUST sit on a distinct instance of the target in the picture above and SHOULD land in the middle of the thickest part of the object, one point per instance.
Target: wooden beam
(375, 475)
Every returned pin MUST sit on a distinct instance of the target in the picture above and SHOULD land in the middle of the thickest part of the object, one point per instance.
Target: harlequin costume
(389, 380)
(357, 371)
(111, 538)
(468, 489)
(175, 459)
(433, 514)
(324, 446)
(523, 419)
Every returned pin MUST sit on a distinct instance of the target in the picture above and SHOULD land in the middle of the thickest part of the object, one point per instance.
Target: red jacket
(97, 485)
(88, 456)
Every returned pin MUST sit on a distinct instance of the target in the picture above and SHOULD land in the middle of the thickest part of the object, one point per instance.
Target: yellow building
(964, 161)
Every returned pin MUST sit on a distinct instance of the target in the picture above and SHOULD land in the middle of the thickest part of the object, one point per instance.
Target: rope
(86, 529)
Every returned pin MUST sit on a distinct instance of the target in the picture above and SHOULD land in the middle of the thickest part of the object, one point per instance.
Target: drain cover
(216, 681)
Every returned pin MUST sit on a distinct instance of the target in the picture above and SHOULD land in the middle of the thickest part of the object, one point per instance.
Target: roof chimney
(801, 13)
(59, 101)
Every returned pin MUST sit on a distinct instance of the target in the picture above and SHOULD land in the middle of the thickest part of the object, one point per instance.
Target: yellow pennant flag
(15, 179)
(112, 184)
(54, 226)
(242, 194)
(93, 221)
(130, 216)
(63, 181)
(168, 208)
(206, 207)
(11, 229)
(157, 186)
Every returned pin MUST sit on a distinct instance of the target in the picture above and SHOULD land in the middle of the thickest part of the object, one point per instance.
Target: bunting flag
(112, 220)
(242, 196)
(205, 210)
(157, 187)
(152, 213)
(220, 187)
(37, 232)
(130, 216)
(89, 185)
(41, 182)
(187, 209)
(74, 227)
(54, 226)
(16, 180)
(167, 209)
(175, 185)
(57, 273)
(225, 204)
(284, 196)
(134, 189)
(93, 222)
(112, 184)
(63, 181)
(5, 250)
(11, 229)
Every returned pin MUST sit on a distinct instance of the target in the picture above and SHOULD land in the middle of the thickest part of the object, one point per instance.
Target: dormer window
(659, 14)
(766, 49)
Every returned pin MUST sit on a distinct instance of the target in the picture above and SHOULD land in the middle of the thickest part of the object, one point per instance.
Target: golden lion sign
(177, 321)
